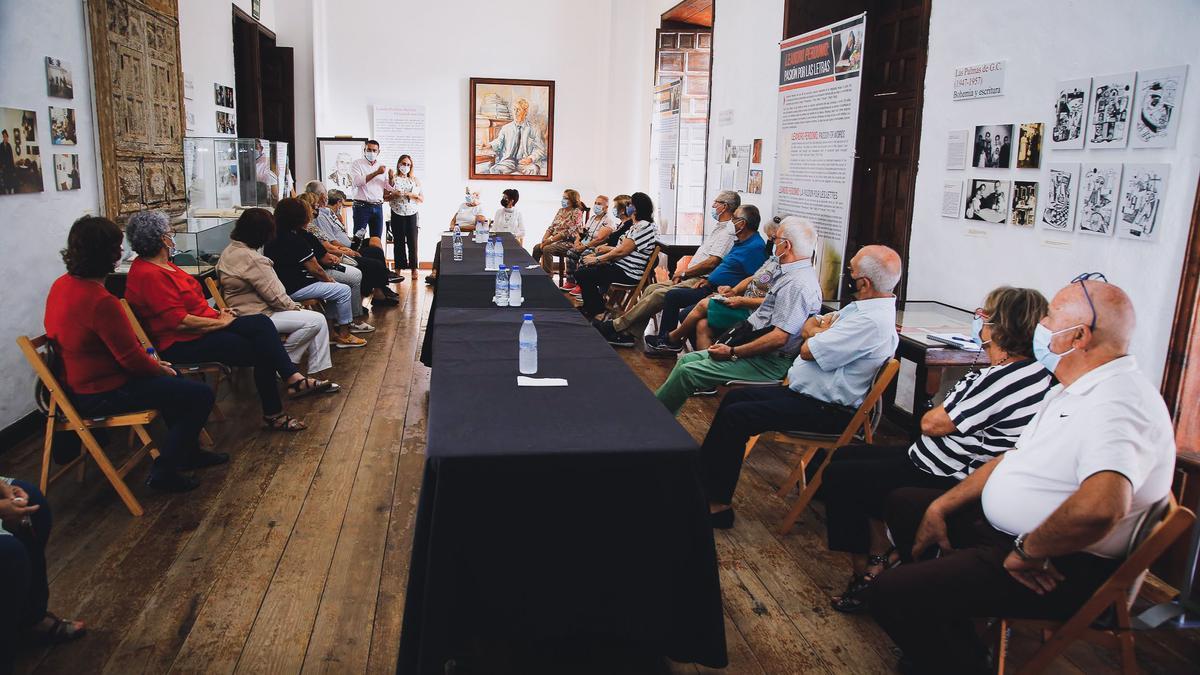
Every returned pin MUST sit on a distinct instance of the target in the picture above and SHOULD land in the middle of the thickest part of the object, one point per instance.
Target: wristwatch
(732, 354)
(1019, 549)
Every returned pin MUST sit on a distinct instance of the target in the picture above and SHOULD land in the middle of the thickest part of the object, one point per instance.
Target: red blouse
(161, 298)
(98, 349)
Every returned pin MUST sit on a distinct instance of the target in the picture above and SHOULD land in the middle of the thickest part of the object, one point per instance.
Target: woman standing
(404, 213)
(560, 236)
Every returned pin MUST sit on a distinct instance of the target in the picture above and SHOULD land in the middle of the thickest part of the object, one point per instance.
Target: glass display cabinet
(228, 175)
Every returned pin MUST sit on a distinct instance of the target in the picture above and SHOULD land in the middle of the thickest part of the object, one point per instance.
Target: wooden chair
(863, 423)
(620, 297)
(62, 416)
(1104, 618)
(214, 290)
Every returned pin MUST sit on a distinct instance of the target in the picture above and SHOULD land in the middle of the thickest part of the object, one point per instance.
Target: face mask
(370, 155)
(629, 210)
(597, 209)
(565, 203)
(1042, 337)
(404, 168)
(715, 215)
(171, 250)
(977, 325)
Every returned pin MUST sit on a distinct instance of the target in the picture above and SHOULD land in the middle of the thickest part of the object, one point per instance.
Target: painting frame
(352, 144)
(475, 161)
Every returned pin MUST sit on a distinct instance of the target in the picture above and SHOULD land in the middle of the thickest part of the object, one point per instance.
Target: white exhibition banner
(400, 130)
(819, 88)
(981, 80)
(664, 154)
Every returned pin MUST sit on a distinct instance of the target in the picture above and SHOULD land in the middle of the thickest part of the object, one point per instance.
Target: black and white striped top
(643, 234)
(989, 408)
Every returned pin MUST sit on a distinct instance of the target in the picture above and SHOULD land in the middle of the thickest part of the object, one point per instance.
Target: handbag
(742, 333)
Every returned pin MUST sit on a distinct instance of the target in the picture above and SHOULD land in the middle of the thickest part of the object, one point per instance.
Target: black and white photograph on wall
(20, 158)
(993, 146)
(66, 172)
(58, 79)
(1024, 203)
(1070, 113)
(1156, 107)
(1143, 187)
(1058, 200)
(1029, 146)
(987, 200)
(226, 123)
(1112, 98)
(62, 126)
(223, 96)
(1099, 187)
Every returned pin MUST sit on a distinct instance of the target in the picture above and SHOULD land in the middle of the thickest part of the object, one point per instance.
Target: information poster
(400, 130)
(819, 88)
(664, 153)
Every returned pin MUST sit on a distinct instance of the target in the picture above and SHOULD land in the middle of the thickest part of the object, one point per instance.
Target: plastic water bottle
(458, 247)
(489, 256)
(514, 286)
(498, 251)
(527, 347)
(457, 230)
(502, 287)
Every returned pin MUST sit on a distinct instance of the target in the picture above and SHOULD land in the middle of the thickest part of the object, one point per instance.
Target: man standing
(8, 165)
(622, 331)
(518, 148)
(1037, 530)
(371, 190)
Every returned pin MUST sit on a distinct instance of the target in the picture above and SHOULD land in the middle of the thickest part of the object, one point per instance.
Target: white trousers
(307, 335)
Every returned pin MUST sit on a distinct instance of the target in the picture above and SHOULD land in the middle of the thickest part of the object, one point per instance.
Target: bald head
(1115, 318)
(880, 265)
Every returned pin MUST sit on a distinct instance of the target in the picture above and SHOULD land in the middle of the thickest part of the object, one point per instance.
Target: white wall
(294, 28)
(33, 227)
(1062, 41)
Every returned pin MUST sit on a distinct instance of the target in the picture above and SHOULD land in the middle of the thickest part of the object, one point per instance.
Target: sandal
(60, 631)
(852, 601)
(282, 422)
(308, 385)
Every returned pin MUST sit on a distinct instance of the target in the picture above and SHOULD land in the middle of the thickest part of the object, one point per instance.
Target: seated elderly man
(1037, 530)
(624, 330)
(838, 360)
(794, 296)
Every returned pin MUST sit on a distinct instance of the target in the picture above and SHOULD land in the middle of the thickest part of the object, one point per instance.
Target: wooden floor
(294, 556)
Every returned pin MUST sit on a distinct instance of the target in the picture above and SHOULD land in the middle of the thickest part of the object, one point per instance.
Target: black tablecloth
(476, 291)
(554, 514)
(472, 262)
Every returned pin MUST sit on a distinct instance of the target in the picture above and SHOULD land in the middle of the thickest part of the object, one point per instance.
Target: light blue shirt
(331, 226)
(795, 295)
(848, 354)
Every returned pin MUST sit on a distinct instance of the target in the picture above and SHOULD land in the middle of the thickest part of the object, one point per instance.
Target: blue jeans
(674, 302)
(368, 217)
(23, 575)
(334, 293)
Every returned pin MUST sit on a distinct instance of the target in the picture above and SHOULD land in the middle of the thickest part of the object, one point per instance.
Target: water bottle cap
(529, 317)
(503, 267)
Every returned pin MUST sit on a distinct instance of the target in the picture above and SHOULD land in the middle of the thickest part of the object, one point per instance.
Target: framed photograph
(1070, 111)
(511, 129)
(987, 200)
(20, 156)
(1112, 98)
(334, 157)
(226, 123)
(1099, 187)
(1058, 213)
(1142, 190)
(223, 96)
(1029, 146)
(1024, 203)
(754, 182)
(1156, 107)
(58, 79)
(66, 172)
(62, 126)
(993, 146)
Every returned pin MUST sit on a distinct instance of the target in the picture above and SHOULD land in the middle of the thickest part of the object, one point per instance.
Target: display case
(198, 244)
(228, 175)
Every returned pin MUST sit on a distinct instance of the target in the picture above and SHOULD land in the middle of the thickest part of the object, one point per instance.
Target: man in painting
(340, 177)
(518, 148)
(8, 166)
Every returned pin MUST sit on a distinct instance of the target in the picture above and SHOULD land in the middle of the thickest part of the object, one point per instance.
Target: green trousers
(697, 372)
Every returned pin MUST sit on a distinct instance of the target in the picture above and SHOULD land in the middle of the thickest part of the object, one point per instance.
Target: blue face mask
(597, 209)
(565, 203)
(977, 325)
(629, 210)
(715, 215)
(1042, 337)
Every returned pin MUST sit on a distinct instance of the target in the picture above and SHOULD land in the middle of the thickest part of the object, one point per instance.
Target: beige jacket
(249, 283)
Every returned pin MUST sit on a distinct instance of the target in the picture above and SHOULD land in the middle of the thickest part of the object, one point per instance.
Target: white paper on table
(525, 381)
(529, 267)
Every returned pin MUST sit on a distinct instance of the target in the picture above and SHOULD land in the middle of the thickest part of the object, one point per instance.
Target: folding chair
(214, 290)
(620, 297)
(1104, 618)
(865, 421)
(62, 416)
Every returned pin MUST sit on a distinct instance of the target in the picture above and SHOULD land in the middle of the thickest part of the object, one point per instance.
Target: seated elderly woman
(560, 236)
(250, 286)
(103, 365)
(24, 529)
(369, 259)
(180, 322)
(367, 281)
(979, 420)
(623, 264)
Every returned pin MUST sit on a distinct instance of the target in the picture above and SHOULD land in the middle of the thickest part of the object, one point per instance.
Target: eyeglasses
(981, 314)
(1081, 279)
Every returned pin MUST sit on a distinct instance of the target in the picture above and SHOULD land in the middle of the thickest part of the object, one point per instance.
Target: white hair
(801, 233)
(730, 198)
(315, 187)
(883, 274)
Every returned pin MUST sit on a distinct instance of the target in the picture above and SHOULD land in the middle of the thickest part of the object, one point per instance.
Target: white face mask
(370, 155)
(404, 169)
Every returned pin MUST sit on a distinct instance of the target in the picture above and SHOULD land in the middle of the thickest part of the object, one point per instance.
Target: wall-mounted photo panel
(1099, 187)
(987, 200)
(1143, 187)
(66, 172)
(1156, 107)
(1029, 145)
(1058, 199)
(1112, 99)
(993, 146)
(1070, 114)
(20, 157)
(1024, 203)
(62, 126)
(58, 79)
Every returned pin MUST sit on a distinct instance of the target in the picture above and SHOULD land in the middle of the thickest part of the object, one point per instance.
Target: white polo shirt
(1111, 419)
(718, 243)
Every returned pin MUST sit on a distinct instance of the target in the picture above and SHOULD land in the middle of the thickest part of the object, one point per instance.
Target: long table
(551, 516)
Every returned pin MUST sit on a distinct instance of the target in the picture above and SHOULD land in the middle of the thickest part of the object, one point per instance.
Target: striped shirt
(644, 234)
(990, 409)
(795, 295)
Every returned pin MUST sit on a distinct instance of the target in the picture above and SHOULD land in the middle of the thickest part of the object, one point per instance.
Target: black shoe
(395, 278)
(621, 340)
(202, 459)
(430, 280)
(721, 520)
(171, 481)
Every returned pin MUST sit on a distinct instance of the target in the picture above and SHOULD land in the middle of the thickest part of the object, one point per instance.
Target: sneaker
(430, 280)
(361, 327)
(569, 287)
(348, 342)
(394, 278)
(621, 339)
(660, 344)
(576, 293)
(711, 391)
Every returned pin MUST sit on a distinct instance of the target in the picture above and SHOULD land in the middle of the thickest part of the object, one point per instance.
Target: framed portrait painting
(334, 156)
(511, 129)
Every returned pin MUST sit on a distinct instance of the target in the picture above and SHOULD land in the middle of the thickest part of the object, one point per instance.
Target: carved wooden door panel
(139, 104)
